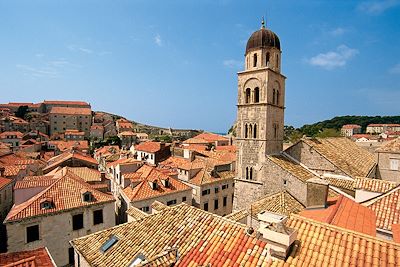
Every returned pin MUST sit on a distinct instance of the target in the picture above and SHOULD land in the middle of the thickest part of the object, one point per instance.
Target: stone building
(350, 129)
(12, 138)
(151, 152)
(51, 212)
(388, 157)
(67, 118)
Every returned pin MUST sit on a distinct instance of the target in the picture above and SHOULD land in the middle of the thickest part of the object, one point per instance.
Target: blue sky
(174, 63)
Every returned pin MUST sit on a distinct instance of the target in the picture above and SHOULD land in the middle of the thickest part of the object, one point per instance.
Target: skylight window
(109, 243)
(140, 258)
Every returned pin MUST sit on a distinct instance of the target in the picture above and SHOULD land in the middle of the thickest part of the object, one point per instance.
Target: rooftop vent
(109, 243)
(274, 231)
(46, 203)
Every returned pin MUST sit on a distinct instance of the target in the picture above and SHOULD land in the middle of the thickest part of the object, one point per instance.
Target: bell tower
(261, 98)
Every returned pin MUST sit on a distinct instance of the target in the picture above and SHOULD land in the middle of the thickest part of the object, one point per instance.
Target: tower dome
(262, 38)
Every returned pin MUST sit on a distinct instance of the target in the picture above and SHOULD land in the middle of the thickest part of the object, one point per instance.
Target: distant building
(66, 118)
(152, 152)
(128, 138)
(97, 132)
(70, 159)
(208, 139)
(123, 125)
(381, 128)
(74, 135)
(350, 129)
(12, 138)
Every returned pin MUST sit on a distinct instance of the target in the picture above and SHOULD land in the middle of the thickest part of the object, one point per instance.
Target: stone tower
(261, 98)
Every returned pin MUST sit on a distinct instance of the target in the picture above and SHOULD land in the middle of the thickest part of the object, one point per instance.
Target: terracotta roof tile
(150, 147)
(201, 238)
(4, 182)
(136, 213)
(30, 258)
(341, 183)
(59, 159)
(396, 232)
(58, 102)
(391, 147)
(345, 213)
(144, 191)
(374, 185)
(282, 203)
(386, 208)
(4, 135)
(86, 174)
(70, 111)
(65, 193)
(292, 167)
(344, 154)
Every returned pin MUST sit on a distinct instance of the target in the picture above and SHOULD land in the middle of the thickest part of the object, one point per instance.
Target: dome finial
(262, 23)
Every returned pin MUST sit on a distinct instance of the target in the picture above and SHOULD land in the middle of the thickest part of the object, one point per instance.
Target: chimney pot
(317, 193)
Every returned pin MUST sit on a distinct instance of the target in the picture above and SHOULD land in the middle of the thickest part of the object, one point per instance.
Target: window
(251, 173)
(275, 130)
(32, 233)
(247, 173)
(394, 164)
(71, 259)
(97, 217)
(205, 206)
(145, 209)
(183, 199)
(285, 182)
(216, 190)
(225, 186)
(108, 244)
(250, 130)
(171, 202)
(273, 96)
(245, 131)
(267, 59)
(224, 201)
(255, 60)
(247, 95)
(215, 204)
(277, 61)
(256, 95)
(277, 97)
(232, 197)
(255, 131)
(77, 221)
(205, 192)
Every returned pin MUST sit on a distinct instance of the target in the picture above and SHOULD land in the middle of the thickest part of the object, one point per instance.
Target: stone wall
(384, 172)
(56, 231)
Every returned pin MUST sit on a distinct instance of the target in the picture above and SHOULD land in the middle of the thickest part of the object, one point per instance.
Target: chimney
(317, 193)
(165, 182)
(2, 171)
(276, 234)
(103, 176)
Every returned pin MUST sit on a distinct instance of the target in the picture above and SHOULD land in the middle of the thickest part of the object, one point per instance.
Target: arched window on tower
(255, 131)
(256, 95)
(245, 131)
(277, 97)
(247, 173)
(251, 173)
(250, 131)
(273, 96)
(247, 95)
(275, 130)
(255, 60)
(277, 61)
(267, 59)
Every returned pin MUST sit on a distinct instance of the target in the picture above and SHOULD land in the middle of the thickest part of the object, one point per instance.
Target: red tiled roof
(396, 232)
(386, 208)
(151, 174)
(30, 258)
(374, 185)
(65, 193)
(351, 126)
(382, 125)
(123, 161)
(4, 182)
(211, 137)
(127, 133)
(59, 159)
(71, 111)
(4, 135)
(106, 150)
(68, 145)
(150, 147)
(58, 102)
(346, 213)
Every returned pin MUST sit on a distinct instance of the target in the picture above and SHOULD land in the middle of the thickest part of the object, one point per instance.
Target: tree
(328, 132)
(21, 111)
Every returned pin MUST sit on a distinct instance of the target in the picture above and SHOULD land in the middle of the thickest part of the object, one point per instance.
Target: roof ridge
(377, 198)
(344, 230)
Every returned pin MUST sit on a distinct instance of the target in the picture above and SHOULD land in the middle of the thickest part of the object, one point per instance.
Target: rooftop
(346, 213)
(292, 167)
(29, 258)
(205, 239)
(344, 154)
(70, 111)
(65, 193)
(374, 185)
(143, 189)
(391, 147)
(150, 147)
